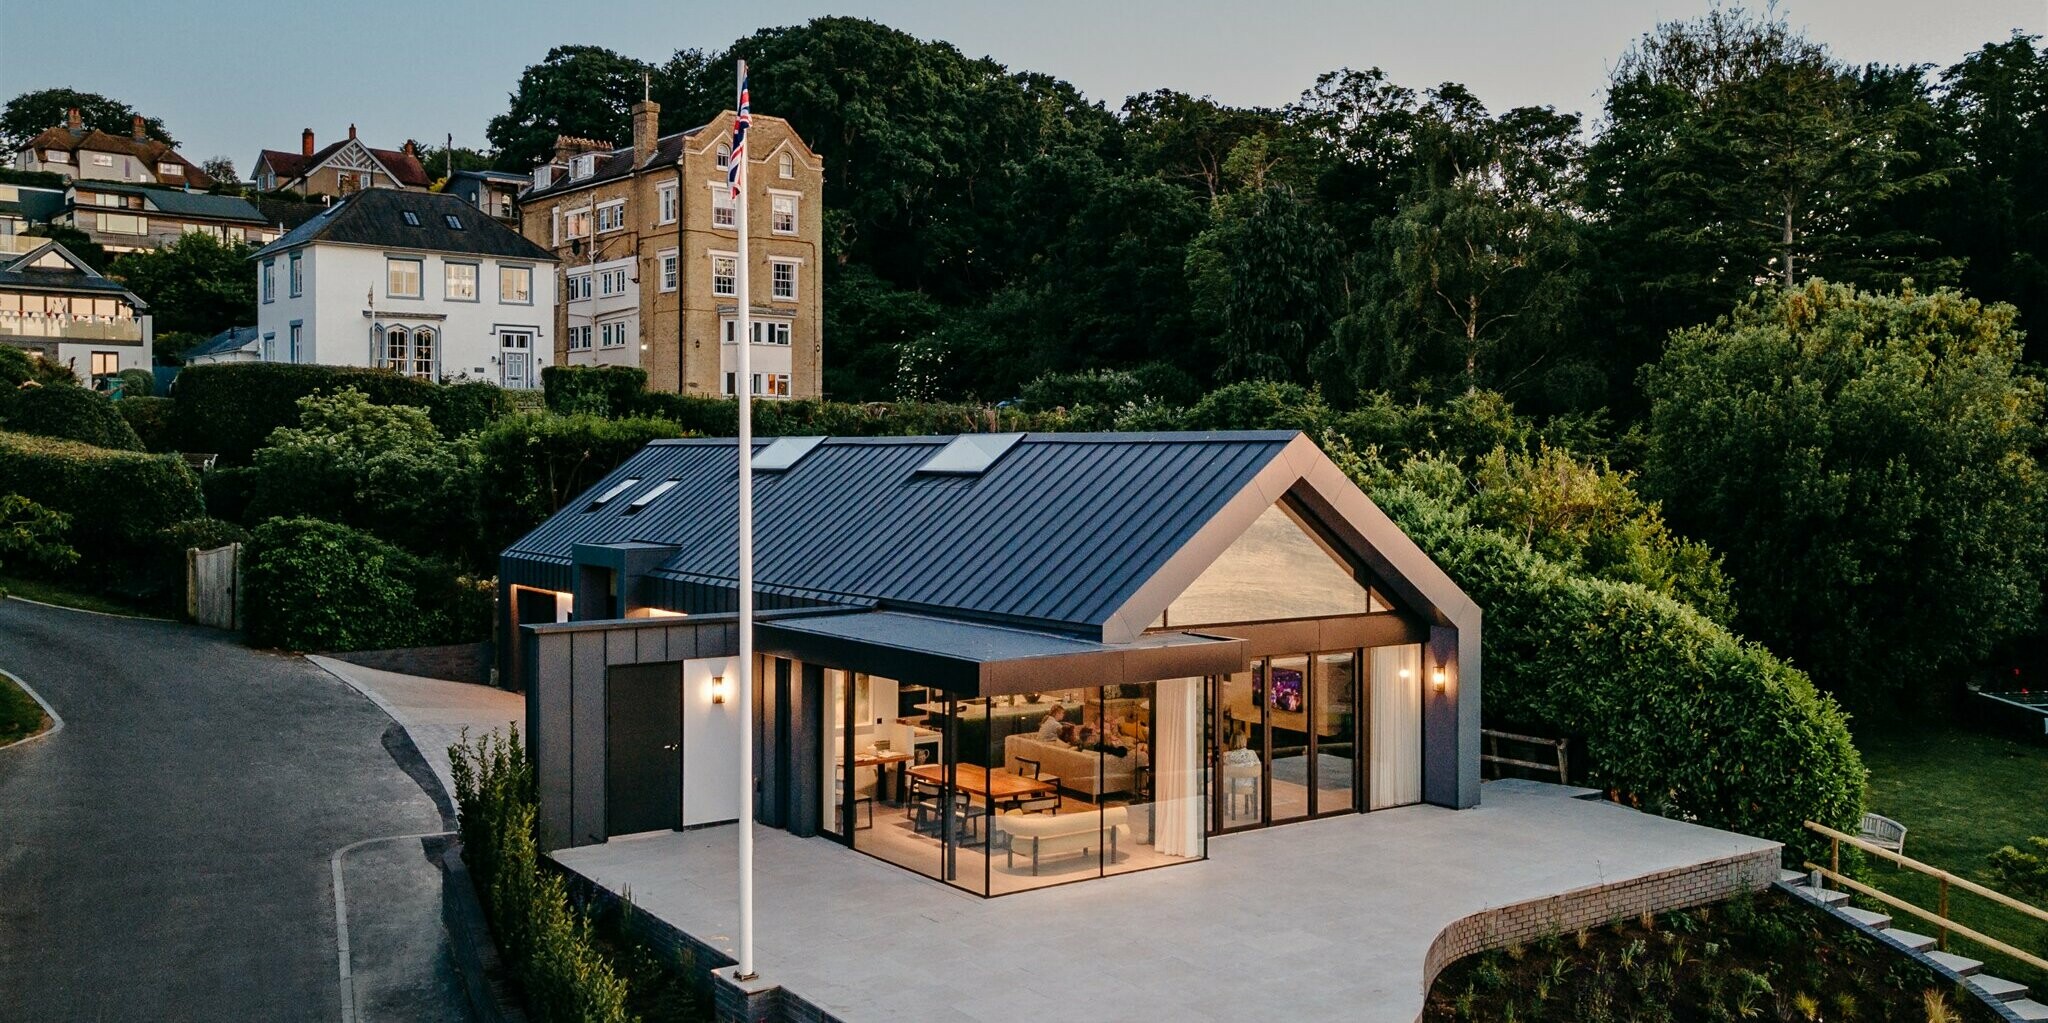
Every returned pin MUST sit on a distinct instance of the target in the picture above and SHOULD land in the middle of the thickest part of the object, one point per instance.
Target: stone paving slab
(1331, 919)
(434, 712)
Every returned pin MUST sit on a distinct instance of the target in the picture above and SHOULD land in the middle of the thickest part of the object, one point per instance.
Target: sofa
(1039, 835)
(1082, 771)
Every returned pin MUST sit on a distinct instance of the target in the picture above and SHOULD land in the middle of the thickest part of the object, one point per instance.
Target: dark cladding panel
(551, 694)
(587, 664)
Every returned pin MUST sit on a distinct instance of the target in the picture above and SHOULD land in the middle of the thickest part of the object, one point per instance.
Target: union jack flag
(739, 140)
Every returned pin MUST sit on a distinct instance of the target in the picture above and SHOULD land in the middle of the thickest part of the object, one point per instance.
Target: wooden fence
(213, 586)
(1937, 916)
(1551, 750)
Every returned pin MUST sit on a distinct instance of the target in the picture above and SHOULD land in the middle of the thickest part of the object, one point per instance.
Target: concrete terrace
(1343, 918)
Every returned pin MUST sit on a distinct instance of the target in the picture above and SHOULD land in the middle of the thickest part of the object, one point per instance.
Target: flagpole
(743, 383)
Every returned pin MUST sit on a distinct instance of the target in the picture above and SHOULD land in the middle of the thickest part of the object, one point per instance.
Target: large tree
(583, 91)
(1265, 281)
(196, 284)
(1866, 463)
(26, 115)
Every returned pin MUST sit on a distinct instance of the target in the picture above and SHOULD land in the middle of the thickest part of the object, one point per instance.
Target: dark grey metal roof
(1058, 533)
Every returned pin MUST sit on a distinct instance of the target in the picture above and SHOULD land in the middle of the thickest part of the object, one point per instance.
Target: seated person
(1238, 754)
(1055, 719)
(1094, 742)
(1066, 735)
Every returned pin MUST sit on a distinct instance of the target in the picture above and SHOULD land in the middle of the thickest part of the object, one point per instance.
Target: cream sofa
(1039, 835)
(1078, 770)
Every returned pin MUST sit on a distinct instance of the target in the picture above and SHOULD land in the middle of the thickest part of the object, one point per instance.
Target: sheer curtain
(1396, 775)
(1177, 767)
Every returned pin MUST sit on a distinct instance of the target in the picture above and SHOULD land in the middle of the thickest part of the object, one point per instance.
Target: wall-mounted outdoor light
(718, 689)
(1437, 678)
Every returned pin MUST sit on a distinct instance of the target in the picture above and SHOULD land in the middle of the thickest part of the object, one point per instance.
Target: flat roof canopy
(973, 659)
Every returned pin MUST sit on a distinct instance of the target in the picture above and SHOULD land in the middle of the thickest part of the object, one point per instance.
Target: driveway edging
(56, 719)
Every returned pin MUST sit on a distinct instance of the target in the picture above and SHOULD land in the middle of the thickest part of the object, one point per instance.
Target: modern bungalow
(1004, 661)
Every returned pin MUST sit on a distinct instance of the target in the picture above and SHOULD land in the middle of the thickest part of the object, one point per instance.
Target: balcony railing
(78, 328)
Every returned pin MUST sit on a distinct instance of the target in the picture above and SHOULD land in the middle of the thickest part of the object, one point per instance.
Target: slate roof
(35, 205)
(618, 163)
(376, 216)
(17, 272)
(180, 203)
(1058, 532)
(282, 211)
(403, 166)
(150, 151)
(226, 341)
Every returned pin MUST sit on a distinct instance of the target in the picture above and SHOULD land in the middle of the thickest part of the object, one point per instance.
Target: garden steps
(2028, 1009)
(1875, 921)
(1916, 942)
(1960, 965)
(1998, 987)
(2009, 996)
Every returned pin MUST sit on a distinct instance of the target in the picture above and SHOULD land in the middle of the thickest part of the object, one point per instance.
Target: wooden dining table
(881, 761)
(997, 786)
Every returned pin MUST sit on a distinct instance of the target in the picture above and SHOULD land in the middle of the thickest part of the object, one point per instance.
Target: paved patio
(1330, 919)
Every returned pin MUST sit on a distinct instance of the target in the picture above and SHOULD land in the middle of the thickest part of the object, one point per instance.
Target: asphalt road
(169, 854)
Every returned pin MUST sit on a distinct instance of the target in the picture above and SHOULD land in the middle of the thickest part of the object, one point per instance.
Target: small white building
(55, 306)
(418, 282)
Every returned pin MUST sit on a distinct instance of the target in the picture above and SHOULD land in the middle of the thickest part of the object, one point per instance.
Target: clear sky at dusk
(230, 77)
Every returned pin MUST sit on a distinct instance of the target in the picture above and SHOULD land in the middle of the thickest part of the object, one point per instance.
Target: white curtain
(1396, 725)
(1177, 767)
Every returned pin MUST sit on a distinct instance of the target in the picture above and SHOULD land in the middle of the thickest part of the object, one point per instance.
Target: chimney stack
(351, 132)
(412, 148)
(72, 120)
(646, 130)
(140, 132)
(306, 142)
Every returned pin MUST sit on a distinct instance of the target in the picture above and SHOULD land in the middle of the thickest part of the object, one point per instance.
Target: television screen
(1287, 692)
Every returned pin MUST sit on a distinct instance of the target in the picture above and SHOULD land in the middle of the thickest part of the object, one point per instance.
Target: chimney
(351, 133)
(412, 148)
(140, 132)
(72, 120)
(306, 142)
(646, 129)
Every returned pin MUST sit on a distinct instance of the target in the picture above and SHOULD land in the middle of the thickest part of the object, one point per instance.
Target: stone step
(1959, 964)
(1999, 988)
(2028, 1009)
(1916, 942)
(1865, 917)
(1793, 877)
(1824, 896)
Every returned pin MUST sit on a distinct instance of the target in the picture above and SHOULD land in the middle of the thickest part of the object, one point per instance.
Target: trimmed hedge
(230, 408)
(1665, 708)
(592, 390)
(532, 464)
(313, 585)
(119, 501)
(69, 413)
(137, 383)
(150, 418)
(467, 407)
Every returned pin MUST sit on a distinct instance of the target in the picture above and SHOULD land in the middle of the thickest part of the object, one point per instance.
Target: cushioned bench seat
(1042, 834)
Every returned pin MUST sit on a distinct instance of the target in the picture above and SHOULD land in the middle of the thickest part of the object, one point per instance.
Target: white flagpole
(743, 383)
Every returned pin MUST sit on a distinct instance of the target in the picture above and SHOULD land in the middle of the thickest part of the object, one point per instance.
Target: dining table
(995, 786)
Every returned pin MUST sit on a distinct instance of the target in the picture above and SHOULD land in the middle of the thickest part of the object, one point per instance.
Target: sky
(231, 77)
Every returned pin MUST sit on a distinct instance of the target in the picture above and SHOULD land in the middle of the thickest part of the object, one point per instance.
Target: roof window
(970, 454)
(582, 166)
(411, 219)
(648, 498)
(783, 452)
(453, 220)
(616, 489)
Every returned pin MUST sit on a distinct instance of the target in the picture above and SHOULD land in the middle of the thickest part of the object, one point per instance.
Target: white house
(419, 282)
(55, 306)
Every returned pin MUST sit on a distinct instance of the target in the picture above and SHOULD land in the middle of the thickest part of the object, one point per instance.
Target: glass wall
(1336, 731)
(1396, 741)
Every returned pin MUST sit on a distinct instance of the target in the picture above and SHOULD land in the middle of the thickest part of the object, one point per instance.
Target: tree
(221, 169)
(1993, 107)
(28, 114)
(1865, 461)
(442, 161)
(584, 91)
(197, 284)
(1266, 282)
(1180, 138)
(31, 534)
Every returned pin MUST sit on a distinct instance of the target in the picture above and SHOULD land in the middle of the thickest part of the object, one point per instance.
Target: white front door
(517, 359)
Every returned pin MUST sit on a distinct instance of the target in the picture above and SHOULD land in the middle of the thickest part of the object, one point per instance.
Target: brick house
(76, 151)
(342, 168)
(648, 251)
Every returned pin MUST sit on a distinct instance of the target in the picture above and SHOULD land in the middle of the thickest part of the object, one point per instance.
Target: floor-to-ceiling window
(1395, 771)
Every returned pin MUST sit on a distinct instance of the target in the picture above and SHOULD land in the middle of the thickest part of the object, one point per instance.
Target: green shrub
(469, 406)
(70, 413)
(120, 500)
(1110, 389)
(313, 585)
(546, 943)
(530, 465)
(137, 383)
(228, 492)
(593, 390)
(174, 540)
(2022, 873)
(33, 535)
(150, 418)
(230, 408)
(18, 367)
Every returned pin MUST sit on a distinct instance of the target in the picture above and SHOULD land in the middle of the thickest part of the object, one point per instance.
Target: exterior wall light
(1437, 678)
(718, 689)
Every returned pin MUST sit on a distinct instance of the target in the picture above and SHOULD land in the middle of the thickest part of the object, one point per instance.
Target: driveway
(171, 854)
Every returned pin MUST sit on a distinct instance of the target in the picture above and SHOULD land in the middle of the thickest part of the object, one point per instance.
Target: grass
(56, 593)
(1961, 795)
(20, 715)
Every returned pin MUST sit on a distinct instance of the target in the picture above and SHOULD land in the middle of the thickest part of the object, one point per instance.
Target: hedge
(119, 501)
(467, 407)
(137, 383)
(313, 585)
(1668, 710)
(68, 413)
(531, 464)
(592, 390)
(150, 418)
(230, 408)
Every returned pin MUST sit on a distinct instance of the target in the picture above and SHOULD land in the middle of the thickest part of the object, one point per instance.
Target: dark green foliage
(1866, 464)
(547, 944)
(150, 418)
(468, 406)
(122, 500)
(1110, 389)
(136, 383)
(230, 409)
(33, 535)
(26, 115)
(228, 492)
(2022, 872)
(18, 367)
(33, 179)
(195, 285)
(170, 346)
(593, 390)
(583, 91)
(68, 413)
(313, 585)
(528, 466)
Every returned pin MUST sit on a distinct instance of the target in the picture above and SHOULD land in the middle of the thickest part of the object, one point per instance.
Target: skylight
(410, 219)
(783, 452)
(453, 220)
(648, 498)
(616, 489)
(970, 454)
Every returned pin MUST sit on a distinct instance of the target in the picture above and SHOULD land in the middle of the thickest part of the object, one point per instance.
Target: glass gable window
(1279, 569)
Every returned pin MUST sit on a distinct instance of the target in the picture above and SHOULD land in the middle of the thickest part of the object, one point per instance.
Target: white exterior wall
(78, 354)
(711, 744)
(345, 299)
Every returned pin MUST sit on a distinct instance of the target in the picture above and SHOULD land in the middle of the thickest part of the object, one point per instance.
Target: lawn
(1961, 794)
(55, 593)
(20, 715)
